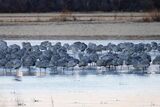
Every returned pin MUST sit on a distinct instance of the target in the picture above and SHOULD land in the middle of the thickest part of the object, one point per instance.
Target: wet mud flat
(81, 31)
(80, 37)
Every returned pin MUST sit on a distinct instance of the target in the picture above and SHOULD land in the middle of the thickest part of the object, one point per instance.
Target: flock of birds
(52, 56)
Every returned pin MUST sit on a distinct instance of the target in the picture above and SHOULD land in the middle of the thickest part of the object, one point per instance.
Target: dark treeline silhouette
(77, 5)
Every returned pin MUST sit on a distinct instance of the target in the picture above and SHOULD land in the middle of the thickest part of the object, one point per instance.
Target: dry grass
(153, 16)
(156, 16)
(63, 16)
(69, 16)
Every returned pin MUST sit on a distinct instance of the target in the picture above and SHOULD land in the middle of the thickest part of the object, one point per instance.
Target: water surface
(88, 83)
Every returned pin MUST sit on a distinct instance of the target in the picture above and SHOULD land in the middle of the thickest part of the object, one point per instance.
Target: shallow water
(76, 83)
(103, 42)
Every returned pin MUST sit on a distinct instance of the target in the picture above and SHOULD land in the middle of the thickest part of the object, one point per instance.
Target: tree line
(77, 5)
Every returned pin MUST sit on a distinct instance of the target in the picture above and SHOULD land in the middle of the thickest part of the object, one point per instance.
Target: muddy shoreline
(80, 37)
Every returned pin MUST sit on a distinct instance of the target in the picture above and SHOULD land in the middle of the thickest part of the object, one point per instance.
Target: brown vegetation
(153, 16)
